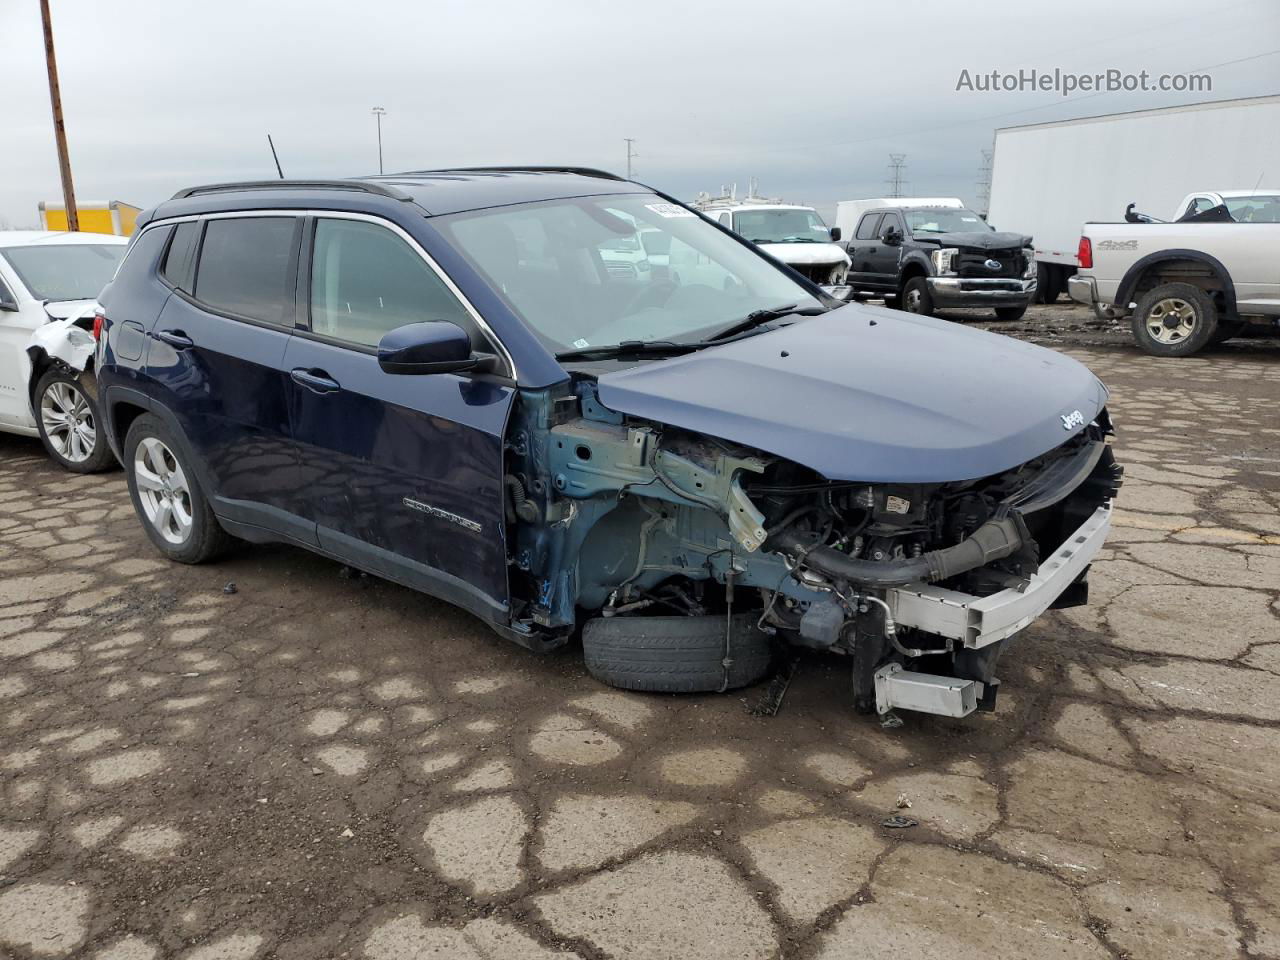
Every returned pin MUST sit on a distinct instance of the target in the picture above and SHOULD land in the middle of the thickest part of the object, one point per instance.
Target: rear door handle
(316, 381)
(176, 339)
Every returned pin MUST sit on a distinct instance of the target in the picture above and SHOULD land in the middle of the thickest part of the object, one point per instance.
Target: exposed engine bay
(615, 517)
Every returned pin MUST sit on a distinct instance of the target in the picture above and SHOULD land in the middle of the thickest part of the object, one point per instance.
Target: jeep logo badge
(993, 264)
(1072, 420)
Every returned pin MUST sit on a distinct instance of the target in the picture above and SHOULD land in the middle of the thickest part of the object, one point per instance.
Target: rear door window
(366, 281)
(867, 227)
(246, 268)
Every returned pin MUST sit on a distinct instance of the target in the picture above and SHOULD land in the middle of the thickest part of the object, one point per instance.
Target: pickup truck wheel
(173, 509)
(1175, 320)
(1007, 314)
(68, 421)
(675, 654)
(916, 297)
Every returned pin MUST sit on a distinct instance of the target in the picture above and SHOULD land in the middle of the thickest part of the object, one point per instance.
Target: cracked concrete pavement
(316, 766)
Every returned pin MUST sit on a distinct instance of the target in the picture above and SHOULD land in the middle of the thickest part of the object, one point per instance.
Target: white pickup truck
(1191, 283)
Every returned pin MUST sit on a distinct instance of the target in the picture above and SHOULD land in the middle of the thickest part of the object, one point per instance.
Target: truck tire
(1175, 320)
(916, 297)
(69, 425)
(675, 654)
(166, 495)
(1048, 283)
(1008, 314)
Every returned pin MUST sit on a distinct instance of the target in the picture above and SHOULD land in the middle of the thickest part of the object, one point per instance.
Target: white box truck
(1049, 178)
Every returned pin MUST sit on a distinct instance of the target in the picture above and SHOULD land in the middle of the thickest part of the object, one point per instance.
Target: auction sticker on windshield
(669, 210)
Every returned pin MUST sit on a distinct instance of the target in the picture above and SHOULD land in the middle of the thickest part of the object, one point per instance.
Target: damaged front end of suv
(841, 509)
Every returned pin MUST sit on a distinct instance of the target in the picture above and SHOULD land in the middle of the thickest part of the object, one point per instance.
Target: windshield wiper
(756, 317)
(630, 348)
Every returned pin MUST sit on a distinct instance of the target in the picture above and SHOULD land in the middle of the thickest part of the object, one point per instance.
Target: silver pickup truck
(1186, 285)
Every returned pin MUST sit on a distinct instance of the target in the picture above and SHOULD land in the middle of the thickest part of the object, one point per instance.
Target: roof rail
(360, 186)
(584, 171)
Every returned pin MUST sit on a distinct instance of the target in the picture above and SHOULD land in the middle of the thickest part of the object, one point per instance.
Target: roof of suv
(434, 191)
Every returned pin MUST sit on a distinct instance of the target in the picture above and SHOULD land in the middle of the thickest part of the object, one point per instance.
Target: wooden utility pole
(59, 129)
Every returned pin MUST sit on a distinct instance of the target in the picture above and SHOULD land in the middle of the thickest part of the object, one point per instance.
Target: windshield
(562, 267)
(1264, 208)
(69, 271)
(781, 226)
(954, 220)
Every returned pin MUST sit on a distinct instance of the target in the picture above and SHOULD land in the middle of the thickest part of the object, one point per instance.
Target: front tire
(675, 654)
(69, 426)
(916, 297)
(1175, 320)
(166, 496)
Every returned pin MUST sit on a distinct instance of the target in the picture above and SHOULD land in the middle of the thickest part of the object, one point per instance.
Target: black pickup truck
(922, 258)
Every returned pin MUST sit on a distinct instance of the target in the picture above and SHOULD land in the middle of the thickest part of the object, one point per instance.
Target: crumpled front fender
(62, 340)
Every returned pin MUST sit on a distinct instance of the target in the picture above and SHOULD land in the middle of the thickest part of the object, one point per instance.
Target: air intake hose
(994, 540)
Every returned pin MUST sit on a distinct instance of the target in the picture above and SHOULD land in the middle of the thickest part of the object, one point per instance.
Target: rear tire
(1175, 320)
(69, 425)
(1048, 283)
(166, 495)
(916, 297)
(675, 654)
(1008, 314)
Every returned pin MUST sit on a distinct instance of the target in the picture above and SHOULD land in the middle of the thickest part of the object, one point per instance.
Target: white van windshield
(596, 271)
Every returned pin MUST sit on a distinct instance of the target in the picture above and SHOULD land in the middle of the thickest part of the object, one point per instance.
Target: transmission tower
(897, 166)
(984, 184)
(631, 154)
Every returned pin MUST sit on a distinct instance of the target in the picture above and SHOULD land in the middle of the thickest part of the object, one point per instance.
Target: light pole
(378, 114)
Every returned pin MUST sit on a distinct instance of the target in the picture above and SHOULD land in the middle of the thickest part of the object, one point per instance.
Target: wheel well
(41, 363)
(1195, 272)
(909, 273)
(122, 416)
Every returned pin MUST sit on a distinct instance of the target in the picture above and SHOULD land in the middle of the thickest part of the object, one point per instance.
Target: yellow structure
(114, 217)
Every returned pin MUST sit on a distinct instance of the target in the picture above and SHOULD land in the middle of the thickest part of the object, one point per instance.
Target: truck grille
(817, 272)
(973, 264)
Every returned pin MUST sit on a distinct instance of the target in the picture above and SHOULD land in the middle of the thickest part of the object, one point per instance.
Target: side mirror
(890, 237)
(835, 234)
(434, 346)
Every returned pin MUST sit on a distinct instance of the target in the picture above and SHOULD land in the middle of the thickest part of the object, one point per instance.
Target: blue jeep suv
(573, 406)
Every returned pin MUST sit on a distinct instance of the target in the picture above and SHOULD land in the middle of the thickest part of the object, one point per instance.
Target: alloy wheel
(68, 422)
(1171, 320)
(163, 490)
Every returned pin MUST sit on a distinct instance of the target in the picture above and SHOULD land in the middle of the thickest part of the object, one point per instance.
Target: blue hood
(874, 395)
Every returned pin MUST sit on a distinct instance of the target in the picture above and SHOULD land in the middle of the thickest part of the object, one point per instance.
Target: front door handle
(317, 381)
(176, 339)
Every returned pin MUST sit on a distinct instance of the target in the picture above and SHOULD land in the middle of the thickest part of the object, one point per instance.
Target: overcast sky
(809, 98)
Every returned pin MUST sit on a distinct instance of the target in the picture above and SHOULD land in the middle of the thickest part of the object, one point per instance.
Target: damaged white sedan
(49, 283)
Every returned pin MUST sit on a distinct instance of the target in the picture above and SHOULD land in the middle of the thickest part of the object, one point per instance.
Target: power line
(897, 166)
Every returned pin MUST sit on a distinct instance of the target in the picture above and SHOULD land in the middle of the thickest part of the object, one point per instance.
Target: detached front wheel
(1175, 320)
(67, 419)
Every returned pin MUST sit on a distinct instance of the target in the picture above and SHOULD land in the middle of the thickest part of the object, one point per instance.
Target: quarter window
(180, 261)
(246, 268)
(366, 281)
(867, 227)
